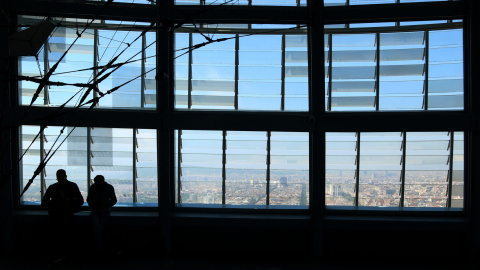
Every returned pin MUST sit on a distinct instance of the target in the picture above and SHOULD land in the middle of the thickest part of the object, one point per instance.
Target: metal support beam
(316, 93)
(241, 14)
(472, 93)
(7, 149)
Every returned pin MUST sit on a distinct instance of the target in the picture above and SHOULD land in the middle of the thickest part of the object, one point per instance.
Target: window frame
(315, 121)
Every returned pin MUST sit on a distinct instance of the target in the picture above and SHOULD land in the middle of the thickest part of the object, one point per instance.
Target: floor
(124, 262)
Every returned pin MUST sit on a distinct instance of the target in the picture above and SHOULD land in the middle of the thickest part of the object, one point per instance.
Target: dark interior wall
(254, 239)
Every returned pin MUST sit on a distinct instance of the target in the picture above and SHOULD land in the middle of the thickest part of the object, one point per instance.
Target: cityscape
(376, 189)
(383, 189)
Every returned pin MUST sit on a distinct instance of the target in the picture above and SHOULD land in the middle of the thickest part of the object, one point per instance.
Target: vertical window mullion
(282, 104)
(377, 71)
(46, 68)
(190, 62)
(316, 63)
(89, 158)
(450, 170)
(427, 34)
(224, 161)
(43, 185)
(330, 72)
(179, 162)
(357, 170)
(402, 176)
(96, 58)
(143, 70)
(237, 63)
(134, 165)
(269, 134)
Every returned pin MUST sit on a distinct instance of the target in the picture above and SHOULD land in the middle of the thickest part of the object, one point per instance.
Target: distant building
(283, 181)
(336, 190)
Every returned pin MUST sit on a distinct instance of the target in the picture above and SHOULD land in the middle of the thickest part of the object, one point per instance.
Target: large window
(242, 168)
(127, 82)
(218, 108)
(395, 169)
(127, 158)
(254, 70)
(370, 69)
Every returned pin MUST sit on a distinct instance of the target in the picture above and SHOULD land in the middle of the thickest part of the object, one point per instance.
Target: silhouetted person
(101, 198)
(62, 200)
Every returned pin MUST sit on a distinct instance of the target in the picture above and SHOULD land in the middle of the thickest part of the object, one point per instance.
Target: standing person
(101, 198)
(62, 200)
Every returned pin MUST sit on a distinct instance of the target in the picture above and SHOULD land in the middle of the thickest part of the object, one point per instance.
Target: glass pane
(182, 43)
(112, 156)
(80, 56)
(371, 2)
(30, 162)
(241, 2)
(327, 55)
(334, 2)
(274, 2)
(445, 85)
(415, 1)
(296, 73)
(71, 156)
(246, 168)
(353, 72)
(426, 169)
(127, 46)
(458, 186)
(150, 88)
(150, 2)
(380, 169)
(199, 167)
(289, 168)
(213, 74)
(369, 25)
(402, 67)
(146, 167)
(31, 67)
(211, 2)
(341, 155)
(259, 72)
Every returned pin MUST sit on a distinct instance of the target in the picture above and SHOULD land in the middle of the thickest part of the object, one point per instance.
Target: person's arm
(90, 197)
(46, 198)
(78, 198)
(113, 197)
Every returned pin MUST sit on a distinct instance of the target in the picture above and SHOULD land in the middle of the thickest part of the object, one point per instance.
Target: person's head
(61, 175)
(99, 179)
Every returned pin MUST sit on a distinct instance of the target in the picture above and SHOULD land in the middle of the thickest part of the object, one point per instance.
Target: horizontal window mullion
(239, 121)
(377, 121)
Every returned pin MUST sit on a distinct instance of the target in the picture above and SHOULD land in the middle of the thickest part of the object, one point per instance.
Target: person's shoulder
(71, 183)
(53, 186)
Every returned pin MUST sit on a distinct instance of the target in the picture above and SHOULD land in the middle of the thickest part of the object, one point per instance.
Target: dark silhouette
(101, 198)
(62, 200)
